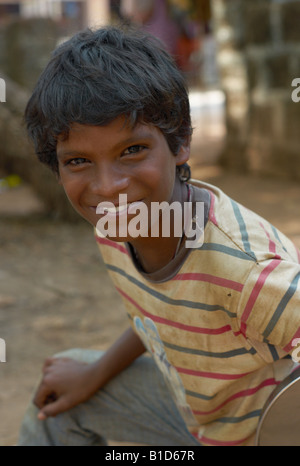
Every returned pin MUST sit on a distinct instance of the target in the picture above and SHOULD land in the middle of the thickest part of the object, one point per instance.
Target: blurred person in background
(172, 21)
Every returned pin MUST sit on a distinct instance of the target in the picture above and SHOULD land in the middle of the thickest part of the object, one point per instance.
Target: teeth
(117, 209)
(112, 210)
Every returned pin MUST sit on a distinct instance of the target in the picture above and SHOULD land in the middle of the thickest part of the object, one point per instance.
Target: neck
(154, 253)
(153, 257)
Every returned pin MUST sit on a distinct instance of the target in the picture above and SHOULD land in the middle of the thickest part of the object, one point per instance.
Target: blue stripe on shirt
(168, 300)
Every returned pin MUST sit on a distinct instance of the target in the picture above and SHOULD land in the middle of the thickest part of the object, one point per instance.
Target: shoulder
(246, 230)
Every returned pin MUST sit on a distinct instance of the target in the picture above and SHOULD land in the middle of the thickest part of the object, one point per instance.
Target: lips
(115, 219)
(111, 210)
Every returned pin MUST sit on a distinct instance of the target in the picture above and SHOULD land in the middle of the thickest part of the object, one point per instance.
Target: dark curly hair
(99, 75)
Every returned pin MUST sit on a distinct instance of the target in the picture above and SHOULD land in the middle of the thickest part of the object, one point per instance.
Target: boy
(110, 115)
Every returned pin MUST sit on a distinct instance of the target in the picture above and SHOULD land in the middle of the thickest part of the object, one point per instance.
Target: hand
(65, 384)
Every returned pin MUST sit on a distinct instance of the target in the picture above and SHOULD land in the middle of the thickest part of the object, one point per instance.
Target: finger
(37, 399)
(41, 416)
(43, 395)
(52, 409)
(48, 362)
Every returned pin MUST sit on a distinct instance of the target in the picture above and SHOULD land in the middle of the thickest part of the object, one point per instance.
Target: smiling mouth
(114, 210)
(107, 208)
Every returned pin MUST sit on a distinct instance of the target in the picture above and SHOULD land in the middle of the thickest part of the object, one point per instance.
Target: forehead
(119, 131)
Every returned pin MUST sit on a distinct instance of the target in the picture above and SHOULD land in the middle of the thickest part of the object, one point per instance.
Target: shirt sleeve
(269, 308)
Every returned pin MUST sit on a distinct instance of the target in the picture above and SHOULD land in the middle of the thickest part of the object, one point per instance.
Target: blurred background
(239, 58)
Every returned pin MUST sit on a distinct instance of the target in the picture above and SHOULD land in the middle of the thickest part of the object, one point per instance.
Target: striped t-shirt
(221, 328)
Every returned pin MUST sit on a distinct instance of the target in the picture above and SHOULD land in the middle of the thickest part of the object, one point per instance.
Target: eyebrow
(134, 139)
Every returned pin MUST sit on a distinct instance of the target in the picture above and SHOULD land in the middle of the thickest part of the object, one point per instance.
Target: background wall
(259, 57)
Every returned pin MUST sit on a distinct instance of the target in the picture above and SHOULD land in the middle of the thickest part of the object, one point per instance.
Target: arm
(67, 382)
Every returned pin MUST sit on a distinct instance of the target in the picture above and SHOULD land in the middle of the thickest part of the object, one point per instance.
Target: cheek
(158, 182)
(160, 171)
(73, 188)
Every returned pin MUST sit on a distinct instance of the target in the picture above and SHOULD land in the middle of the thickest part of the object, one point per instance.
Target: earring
(184, 172)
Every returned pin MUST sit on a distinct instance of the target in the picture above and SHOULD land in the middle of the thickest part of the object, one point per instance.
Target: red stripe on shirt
(298, 253)
(113, 244)
(272, 245)
(204, 277)
(257, 288)
(243, 393)
(171, 323)
(221, 443)
(290, 345)
(211, 375)
(211, 215)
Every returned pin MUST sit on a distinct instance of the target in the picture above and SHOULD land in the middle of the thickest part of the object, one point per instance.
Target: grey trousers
(135, 407)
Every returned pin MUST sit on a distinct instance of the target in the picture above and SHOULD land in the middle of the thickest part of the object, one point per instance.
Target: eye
(133, 149)
(76, 161)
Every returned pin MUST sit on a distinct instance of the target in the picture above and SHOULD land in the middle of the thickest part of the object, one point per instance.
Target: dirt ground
(54, 289)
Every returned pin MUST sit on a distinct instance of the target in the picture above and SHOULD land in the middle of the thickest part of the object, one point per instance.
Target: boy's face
(98, 163)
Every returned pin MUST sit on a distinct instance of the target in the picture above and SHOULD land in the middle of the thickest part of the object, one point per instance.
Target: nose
(108, 182)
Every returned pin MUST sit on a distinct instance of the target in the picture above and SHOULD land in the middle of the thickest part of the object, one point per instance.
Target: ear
(183, 154)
